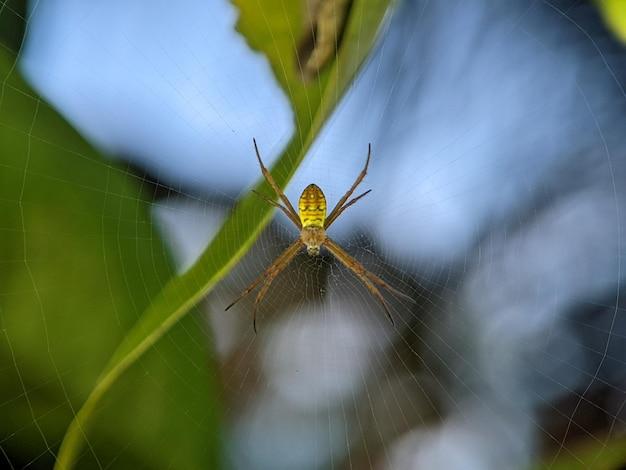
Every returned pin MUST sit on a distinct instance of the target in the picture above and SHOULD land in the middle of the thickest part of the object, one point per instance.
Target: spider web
(497, 183)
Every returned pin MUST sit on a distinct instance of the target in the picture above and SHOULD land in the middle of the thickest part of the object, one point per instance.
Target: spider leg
(376, 293)
(332, 216)
(259, 298)
(268, 276)
(277, 190)
(393, 290)
(271, 202)
(247, 290)
(344, 207)
(366, 277)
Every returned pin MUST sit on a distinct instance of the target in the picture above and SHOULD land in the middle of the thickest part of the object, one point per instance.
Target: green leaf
(13, 15)
(79, 262)
(602, 454)
(272, 28)
(614, 13)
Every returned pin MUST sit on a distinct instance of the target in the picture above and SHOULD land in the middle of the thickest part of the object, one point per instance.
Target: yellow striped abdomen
(312, 207)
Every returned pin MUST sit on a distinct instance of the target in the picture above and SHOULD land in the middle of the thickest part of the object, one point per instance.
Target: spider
(312, 222)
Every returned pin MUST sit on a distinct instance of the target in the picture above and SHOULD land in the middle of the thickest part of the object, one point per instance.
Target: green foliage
(614, 12)
(79, 262)
(12, 23)
(599, 454)
(270, 27)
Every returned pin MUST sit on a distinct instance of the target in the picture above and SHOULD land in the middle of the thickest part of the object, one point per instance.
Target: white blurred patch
(478, 440)
(273, 435)
(172, 86)
(319, 356)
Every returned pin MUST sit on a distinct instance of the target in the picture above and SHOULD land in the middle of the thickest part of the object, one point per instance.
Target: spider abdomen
(312, 207)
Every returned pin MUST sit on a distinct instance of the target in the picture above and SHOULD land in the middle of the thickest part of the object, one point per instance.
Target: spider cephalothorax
(312, 222)
(313, 238)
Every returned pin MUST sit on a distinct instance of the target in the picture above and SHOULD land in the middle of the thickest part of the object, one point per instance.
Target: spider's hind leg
(367, 278)
(268, 276)
(257, 301)
(384, 285)
(376, 293)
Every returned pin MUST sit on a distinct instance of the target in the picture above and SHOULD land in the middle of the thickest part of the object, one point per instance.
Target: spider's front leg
(339, 207)
(293, 215)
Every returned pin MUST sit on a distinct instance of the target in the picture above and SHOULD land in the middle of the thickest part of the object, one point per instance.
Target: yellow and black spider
(312, 223)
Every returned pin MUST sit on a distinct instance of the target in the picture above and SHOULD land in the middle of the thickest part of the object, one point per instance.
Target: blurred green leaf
(12, 24)
(606, 454)
(79, 262)
(272, 28)
(614, 12)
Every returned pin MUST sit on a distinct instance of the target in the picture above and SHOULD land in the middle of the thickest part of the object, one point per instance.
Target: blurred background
(498, 203)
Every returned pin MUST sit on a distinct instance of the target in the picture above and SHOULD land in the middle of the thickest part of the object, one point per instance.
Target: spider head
(313, 250)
